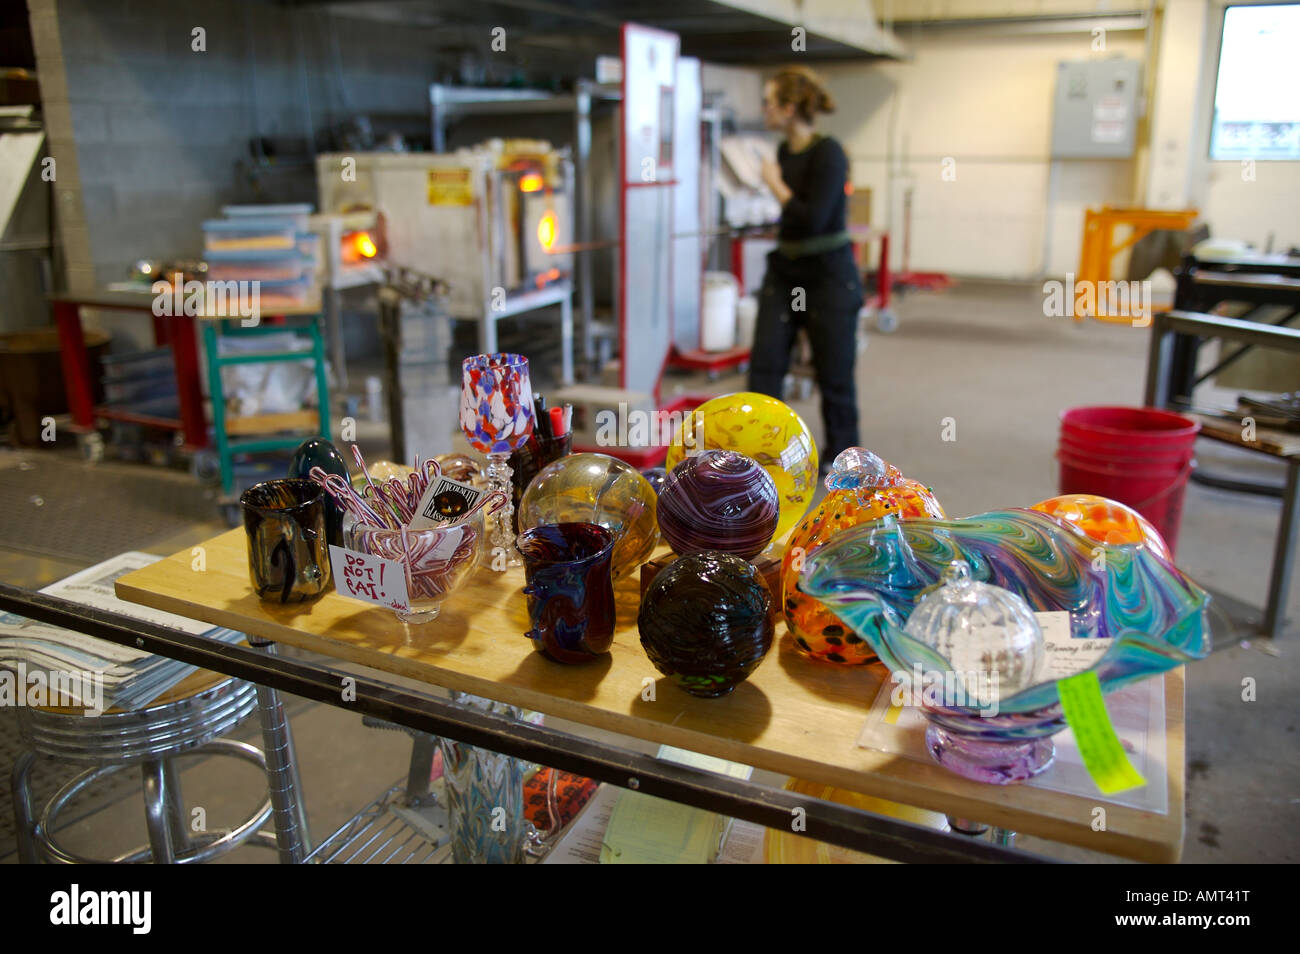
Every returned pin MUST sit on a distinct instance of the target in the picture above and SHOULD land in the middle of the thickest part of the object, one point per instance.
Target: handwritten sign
(371, 579)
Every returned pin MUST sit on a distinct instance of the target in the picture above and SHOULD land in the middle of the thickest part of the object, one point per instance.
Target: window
(1256, 98)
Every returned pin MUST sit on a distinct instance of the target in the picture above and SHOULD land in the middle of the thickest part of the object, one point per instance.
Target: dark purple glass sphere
(705, 622)
(719, 500)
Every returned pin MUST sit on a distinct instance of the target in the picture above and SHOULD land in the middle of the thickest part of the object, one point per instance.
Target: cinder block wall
(147, 131)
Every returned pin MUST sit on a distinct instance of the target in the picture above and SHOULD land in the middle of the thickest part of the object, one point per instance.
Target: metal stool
(189, 722)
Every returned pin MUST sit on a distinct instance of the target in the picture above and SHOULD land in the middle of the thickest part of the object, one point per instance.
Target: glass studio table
(794, 716)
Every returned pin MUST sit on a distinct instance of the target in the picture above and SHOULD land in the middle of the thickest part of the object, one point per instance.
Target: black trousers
(821, 294)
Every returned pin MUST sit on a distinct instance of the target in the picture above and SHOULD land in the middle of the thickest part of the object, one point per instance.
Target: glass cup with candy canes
(436, 560)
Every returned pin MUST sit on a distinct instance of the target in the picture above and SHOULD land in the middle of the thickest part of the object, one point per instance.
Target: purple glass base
(996, 763)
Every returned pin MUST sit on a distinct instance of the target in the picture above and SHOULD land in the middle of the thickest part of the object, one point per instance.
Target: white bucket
(718, 327)
(746, 319)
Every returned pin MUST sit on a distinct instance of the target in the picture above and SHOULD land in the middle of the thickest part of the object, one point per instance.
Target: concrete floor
(984, 356)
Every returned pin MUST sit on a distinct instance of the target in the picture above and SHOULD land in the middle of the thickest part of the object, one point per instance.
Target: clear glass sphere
(988, 635)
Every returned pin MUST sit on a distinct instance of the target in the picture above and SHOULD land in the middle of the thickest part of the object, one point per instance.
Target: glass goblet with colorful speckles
(496, 414)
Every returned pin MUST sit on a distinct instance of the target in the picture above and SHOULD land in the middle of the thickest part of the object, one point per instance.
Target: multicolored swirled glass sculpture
(718, 500)
(862, 488)
(873, 576)
(765, 429)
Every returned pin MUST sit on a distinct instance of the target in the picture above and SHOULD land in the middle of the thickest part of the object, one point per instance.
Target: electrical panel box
(1096, 109)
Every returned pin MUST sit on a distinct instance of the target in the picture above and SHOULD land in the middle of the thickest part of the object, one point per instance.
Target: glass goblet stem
(502, 533)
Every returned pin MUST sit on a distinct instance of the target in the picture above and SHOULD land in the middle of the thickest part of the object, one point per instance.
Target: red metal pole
(76, 364)
(185, 354)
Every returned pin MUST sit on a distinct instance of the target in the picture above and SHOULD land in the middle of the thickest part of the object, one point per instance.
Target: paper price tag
(1103, 756)
(371, 579)
(444, 501)
(1064, 654)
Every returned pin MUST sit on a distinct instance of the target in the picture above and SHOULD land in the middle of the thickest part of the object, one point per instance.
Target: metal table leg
(417, 779)
(487, 333)
(185, 356)
(287, 809)
(1283, 555)
(965, 826)
(76, 364)
(566, 340)
(334, 322)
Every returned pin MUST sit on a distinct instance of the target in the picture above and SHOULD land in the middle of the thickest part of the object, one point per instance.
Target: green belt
(814, 246)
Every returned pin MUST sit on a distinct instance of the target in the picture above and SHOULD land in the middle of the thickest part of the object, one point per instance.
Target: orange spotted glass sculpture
(1105, 520)
(862, 488)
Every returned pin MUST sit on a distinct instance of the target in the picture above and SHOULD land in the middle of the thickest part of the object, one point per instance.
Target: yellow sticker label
(1103, 755)
(451, 186)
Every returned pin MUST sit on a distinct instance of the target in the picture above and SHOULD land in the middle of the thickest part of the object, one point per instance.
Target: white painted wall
(1178, 136)
(1268, 207)
(986, 102)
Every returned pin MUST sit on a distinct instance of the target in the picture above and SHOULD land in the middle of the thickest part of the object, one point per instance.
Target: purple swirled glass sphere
(719, 500)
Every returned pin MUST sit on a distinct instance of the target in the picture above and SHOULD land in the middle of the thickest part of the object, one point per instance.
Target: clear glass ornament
(988, 634)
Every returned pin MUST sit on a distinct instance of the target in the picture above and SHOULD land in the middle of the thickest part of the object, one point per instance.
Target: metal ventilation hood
(741, 32)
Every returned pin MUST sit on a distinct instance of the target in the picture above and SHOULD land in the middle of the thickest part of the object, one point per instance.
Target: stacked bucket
(1142, 457)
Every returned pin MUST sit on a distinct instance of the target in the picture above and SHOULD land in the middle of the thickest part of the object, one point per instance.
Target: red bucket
(1139, 456)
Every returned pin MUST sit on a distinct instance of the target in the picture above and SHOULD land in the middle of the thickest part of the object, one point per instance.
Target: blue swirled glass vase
(874, 575)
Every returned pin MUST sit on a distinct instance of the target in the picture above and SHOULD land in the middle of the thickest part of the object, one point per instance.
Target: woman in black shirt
(812, 279)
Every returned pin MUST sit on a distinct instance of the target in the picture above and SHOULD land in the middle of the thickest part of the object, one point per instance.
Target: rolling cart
(262, 432)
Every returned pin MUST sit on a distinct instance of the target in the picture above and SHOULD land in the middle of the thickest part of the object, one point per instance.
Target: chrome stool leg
(175, 805)
(156, 795)
(201, 848)
(24, 819)
(152, 738)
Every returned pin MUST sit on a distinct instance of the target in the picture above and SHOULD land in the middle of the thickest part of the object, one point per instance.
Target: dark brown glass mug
(288, 553)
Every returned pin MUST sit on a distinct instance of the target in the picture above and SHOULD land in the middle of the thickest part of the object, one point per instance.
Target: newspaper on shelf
(110, 675)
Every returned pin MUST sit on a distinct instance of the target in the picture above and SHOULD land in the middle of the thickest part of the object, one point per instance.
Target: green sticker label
(1085, 712)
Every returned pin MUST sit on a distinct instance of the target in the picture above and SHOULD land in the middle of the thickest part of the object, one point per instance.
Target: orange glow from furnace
(546, 230)
(365, 245)
(532, 182)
